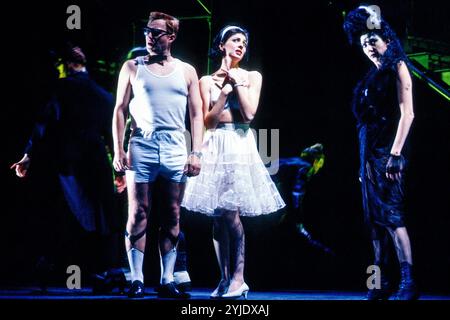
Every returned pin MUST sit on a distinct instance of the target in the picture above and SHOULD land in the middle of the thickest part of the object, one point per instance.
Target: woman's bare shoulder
(255, 74)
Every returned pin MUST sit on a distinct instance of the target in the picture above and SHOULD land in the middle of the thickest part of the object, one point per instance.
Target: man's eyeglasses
(154, 32)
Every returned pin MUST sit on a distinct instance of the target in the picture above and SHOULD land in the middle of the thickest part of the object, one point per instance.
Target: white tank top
(159, 102)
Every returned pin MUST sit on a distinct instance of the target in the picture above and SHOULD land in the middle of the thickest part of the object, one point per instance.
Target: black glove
(395, 164)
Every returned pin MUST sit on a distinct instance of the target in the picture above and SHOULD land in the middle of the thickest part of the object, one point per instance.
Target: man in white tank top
(162, 87)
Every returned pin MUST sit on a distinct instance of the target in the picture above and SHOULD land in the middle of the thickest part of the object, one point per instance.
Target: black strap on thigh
(134, 238)
(164, 233)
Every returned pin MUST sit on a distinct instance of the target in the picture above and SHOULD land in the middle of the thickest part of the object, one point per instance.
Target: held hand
(22, 166)
(120, 181)
(395, 167)
(227, 88)
(236, 76)
(226, 81)
(192, 167)
(120, 161)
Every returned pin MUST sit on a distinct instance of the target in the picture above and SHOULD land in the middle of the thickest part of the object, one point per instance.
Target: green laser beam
(204, 7)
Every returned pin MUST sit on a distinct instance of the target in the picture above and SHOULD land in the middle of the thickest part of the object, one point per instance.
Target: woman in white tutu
(233, 180)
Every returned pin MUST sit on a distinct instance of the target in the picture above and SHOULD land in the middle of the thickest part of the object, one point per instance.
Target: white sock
(126, 273)
(181, 277)
(136, 261)
(167, 266)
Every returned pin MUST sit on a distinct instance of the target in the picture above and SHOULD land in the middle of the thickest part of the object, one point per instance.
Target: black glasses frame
(154, 32)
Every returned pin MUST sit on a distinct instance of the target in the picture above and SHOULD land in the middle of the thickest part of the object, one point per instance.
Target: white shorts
(157, 152)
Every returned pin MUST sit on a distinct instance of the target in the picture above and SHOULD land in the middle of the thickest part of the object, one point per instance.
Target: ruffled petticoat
(232, 177)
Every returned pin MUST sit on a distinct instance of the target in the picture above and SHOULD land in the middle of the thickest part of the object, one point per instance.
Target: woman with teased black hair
(383, 107)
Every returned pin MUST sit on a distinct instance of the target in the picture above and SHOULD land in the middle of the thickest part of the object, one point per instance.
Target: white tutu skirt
(232, 177)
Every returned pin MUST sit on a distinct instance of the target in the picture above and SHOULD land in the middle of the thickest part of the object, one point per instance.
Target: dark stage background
(309, 72)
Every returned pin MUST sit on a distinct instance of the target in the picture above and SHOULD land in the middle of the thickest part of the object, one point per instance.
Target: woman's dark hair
(365, 21)
(222, 36)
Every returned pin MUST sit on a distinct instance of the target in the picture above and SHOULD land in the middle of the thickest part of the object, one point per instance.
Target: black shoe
(169, 290)
(108, 281)
(383, 293)
(137, 290)
(407, 289)
(182, 280)
(182, 287)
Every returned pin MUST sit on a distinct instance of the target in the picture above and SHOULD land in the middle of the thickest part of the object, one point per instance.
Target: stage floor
(53, 293)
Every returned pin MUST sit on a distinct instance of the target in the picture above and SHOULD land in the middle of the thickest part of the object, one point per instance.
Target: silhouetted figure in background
(74, 131)
(292, 179)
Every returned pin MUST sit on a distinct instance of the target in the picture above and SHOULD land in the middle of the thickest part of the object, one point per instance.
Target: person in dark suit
(73, 132)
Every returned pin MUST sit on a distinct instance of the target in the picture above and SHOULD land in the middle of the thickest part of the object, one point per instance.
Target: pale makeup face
(235, 46)
(373, 46)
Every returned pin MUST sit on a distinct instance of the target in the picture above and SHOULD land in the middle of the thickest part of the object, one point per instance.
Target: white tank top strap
(140, 60)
